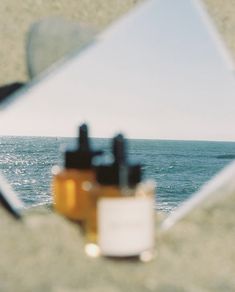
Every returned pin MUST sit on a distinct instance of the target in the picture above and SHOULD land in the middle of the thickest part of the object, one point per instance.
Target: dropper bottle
(110, 180)
(119, 224)
(72, 184)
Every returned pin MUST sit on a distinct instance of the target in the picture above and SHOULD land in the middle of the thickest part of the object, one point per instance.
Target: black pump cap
(134, 174)
(109, 174)
(83, 139)
(81, 158)
(119, 150)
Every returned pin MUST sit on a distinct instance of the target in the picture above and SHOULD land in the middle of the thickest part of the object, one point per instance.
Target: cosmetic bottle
(72, 184)
(120, 223)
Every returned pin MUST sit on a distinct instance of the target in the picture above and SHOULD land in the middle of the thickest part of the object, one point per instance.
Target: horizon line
(131, 138)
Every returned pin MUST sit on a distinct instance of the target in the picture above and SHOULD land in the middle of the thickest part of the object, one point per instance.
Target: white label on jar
(125, 226)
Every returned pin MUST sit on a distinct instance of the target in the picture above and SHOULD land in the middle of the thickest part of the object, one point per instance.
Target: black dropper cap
(81, 158)
(120, 172)
(108, 174)
(119, 150)
(134, 174)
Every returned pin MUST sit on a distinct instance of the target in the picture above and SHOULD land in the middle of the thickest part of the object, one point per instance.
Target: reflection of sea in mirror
(179, 167)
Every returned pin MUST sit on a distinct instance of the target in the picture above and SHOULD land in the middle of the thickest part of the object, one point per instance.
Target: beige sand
(223, 15)
(45, 253)
(17, 16)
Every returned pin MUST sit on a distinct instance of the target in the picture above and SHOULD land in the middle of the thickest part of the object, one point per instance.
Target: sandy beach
(45, 252)
(223, 15)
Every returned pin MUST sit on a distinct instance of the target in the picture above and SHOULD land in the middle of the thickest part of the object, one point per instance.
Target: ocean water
(178, 167)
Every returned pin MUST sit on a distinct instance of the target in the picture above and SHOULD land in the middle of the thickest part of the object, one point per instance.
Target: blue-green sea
(178, 167)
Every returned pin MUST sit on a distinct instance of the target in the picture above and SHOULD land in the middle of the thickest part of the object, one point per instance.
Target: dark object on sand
(9, 199)
(51, 39)
(7, 90)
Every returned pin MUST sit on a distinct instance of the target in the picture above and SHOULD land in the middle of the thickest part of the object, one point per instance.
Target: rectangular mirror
(159, 73)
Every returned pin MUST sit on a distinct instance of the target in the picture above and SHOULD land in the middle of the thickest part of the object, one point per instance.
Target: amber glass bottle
(119, 223)
(72, 184)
